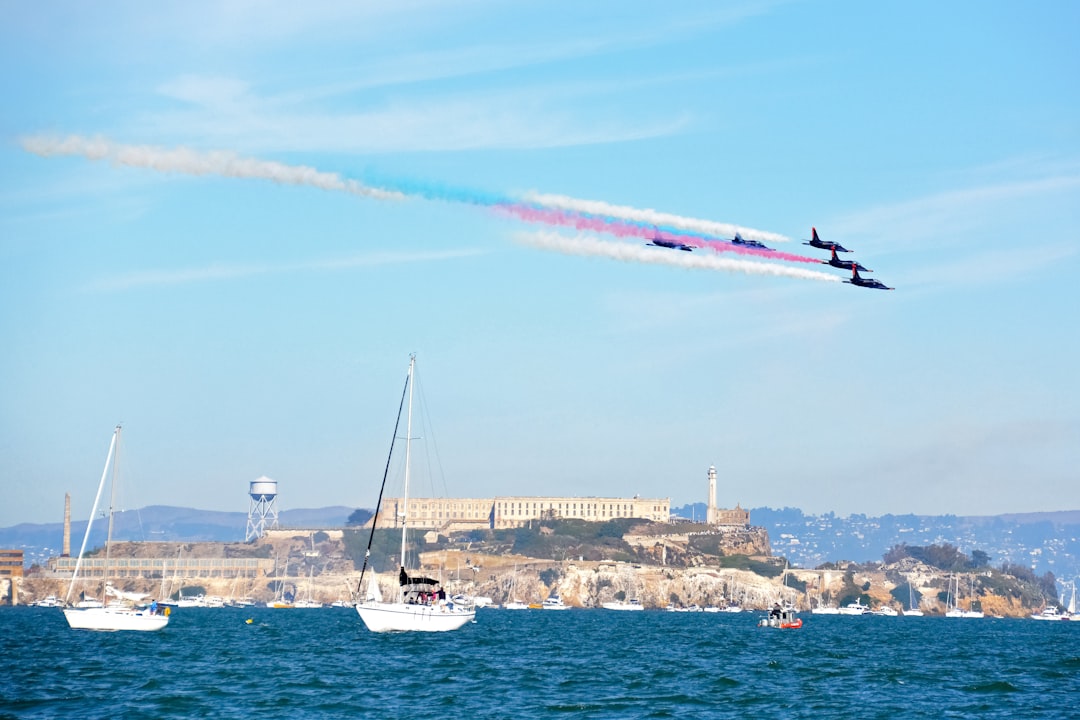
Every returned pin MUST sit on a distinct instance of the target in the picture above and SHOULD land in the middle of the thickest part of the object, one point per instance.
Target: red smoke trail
(618, 228)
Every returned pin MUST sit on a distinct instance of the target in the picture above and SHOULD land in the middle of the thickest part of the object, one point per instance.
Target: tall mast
(112, 504)
(408, 447)
(93, 511)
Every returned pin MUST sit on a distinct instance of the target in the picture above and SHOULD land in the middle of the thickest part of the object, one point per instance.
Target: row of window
(68, 563)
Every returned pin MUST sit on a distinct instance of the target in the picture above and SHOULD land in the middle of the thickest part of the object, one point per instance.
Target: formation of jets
(814, 241)
(854, 267)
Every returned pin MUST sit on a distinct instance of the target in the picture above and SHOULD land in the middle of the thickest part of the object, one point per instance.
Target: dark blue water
(536, 664)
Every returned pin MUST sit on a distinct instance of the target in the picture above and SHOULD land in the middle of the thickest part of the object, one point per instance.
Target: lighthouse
(711, 515)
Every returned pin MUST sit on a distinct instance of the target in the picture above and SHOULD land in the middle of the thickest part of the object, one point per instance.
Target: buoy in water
(248, 621)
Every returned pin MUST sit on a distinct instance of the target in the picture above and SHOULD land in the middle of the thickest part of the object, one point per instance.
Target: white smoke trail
(193, 162)
(229, 164)
(589, 245)
(650, 217)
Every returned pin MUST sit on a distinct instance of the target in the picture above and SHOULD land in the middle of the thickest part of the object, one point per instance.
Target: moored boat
(121, 613)
(420, 603)
(631, 604)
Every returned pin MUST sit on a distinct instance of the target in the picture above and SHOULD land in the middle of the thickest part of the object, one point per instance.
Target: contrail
(193, 162)
(649, 217)
(595, 247)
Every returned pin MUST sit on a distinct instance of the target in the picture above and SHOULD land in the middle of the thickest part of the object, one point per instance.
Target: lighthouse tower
(262, 514)
(711, 514)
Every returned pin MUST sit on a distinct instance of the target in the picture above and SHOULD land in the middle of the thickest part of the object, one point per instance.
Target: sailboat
(306, 600)
(512, 603)
(955, 611)
(120, 613)
(913, 609)
(420, 603)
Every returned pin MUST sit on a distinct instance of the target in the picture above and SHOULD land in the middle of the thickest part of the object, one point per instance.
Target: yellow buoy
(248, 621)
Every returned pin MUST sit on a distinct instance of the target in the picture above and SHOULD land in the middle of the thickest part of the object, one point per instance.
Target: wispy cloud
(984, 267)
(226, 111)
(226, 271)
(943, 218)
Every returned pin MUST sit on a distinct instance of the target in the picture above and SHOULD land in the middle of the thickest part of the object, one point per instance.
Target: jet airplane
(670, 244)
(857, 279)
(749, 243)
(844, 264)
(817, 242)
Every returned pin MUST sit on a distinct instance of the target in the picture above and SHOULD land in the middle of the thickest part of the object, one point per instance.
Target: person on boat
(776, 611)
(153, 606)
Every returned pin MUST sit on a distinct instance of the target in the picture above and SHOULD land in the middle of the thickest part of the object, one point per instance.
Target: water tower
(261, 512)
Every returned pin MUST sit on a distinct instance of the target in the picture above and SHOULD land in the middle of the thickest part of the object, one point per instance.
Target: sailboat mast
(408, 449)
(112, 504)
(93, 512)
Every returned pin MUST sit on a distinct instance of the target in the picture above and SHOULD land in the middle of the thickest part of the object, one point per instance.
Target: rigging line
(378, 504)
(429, 430)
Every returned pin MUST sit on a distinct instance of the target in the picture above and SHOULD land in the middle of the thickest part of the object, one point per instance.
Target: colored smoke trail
(193, 162)
(590, 246)
(623, 229)
(649, 217)
(555, 210)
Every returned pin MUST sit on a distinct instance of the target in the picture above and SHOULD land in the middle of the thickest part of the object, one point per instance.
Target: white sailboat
(121, 613)
(420, 603)
(512, 603)
(913, 609)
(955, 611)
(306, 600)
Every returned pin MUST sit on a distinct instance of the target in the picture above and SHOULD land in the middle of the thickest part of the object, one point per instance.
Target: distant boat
(955, 611)
(823, 608)
(420, 602)
(49, 601)
(1050, 612)
(120, 613)
(306, 601)
(512, 603)
(280, 601)
(855, 608)
(554, 602)
(784, 618)
(885, 611)
(631, 604)
(913, 610)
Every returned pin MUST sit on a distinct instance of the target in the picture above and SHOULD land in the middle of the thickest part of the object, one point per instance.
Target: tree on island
(359, 517)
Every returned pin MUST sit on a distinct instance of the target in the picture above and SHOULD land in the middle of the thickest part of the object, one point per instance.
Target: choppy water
(536, 664)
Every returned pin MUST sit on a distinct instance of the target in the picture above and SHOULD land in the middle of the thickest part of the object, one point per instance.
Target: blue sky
(239, 327)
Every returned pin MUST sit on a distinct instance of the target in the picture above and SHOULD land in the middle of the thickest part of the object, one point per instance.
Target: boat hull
(404, 617)
(107, 619)
(623, 606)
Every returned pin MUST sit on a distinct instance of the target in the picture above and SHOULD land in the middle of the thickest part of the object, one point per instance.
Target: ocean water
(209, 663)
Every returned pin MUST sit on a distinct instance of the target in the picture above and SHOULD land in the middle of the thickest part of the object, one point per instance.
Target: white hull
(402, 617)
(955, 613)
(110, 619)
(825, 610)
(515, 605)
(855, 609)
(913, 613)
(623, 606)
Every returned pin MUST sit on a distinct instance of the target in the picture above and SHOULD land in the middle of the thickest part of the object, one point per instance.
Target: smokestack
(67, 526)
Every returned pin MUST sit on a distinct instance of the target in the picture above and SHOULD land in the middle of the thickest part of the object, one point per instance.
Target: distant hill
(39, 541)
(1044, 542)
